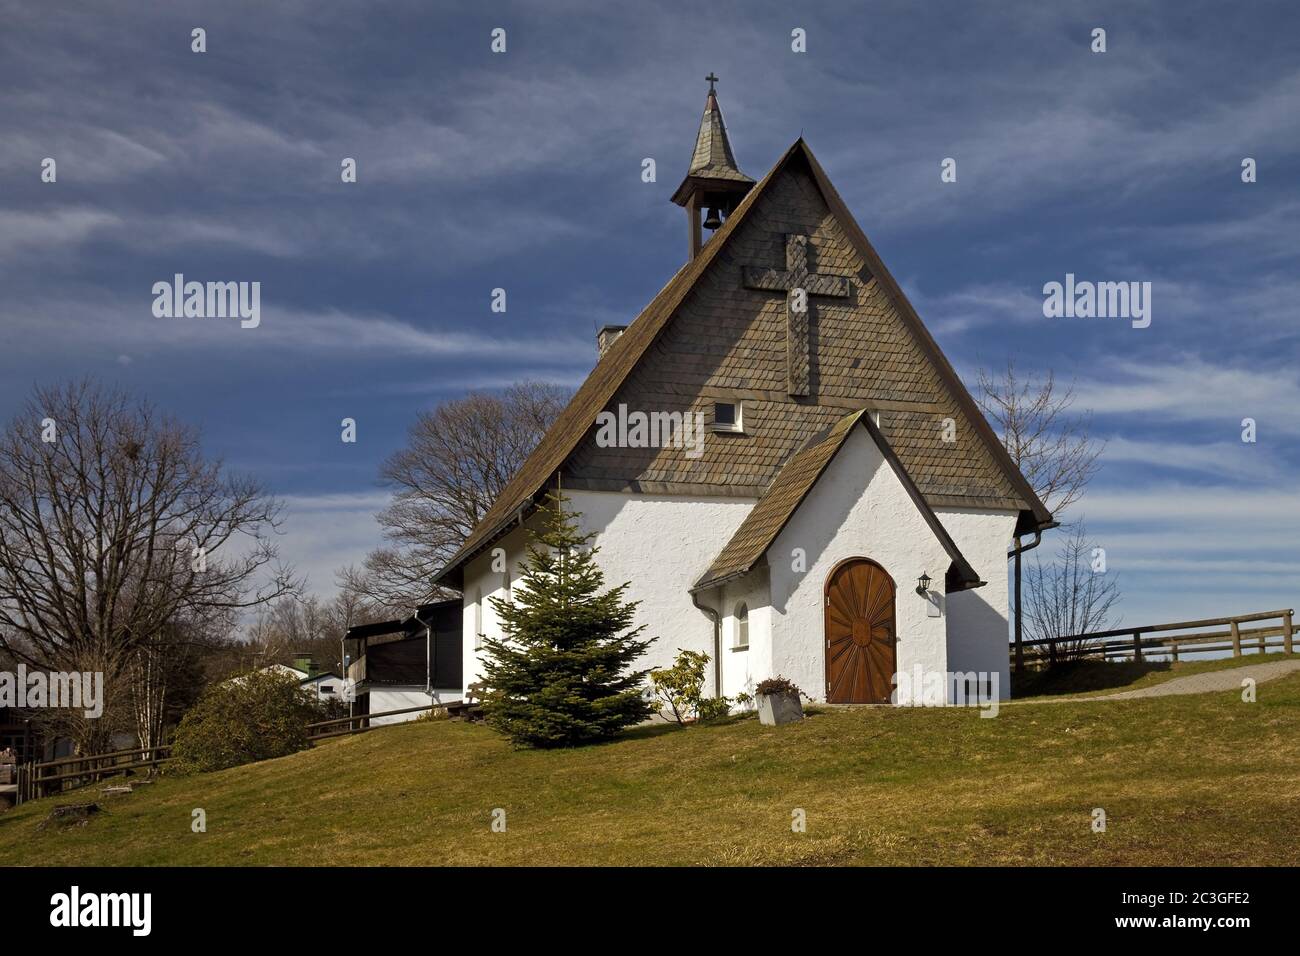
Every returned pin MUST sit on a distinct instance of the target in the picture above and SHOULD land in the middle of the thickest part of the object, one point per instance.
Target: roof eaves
(705, 584)
(965, 574)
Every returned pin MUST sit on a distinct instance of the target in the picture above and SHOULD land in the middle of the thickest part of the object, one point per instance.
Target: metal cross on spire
(712, 79)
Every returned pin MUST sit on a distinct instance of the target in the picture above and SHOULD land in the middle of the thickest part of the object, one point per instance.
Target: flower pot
(781, 708)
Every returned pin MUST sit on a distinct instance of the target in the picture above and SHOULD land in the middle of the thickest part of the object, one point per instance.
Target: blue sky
(522, 170)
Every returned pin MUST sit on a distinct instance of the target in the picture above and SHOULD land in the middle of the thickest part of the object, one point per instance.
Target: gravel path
(1209, 682)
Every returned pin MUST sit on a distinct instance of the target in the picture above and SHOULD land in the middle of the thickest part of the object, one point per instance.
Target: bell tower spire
(714, 182)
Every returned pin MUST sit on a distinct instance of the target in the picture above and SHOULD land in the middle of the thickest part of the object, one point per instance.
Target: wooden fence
(324, 729)
(51, 777)
(1170, 641)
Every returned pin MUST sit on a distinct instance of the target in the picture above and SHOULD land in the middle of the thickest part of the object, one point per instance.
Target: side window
(742, 625)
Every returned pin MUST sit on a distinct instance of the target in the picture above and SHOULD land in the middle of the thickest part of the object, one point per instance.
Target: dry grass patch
(1196, 780)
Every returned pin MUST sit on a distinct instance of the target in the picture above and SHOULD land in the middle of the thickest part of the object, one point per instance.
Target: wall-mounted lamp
(923, 584)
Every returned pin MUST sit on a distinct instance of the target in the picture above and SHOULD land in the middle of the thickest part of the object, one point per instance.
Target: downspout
(717, 643)
(1015, 553)
(428, 654)
(343, 655)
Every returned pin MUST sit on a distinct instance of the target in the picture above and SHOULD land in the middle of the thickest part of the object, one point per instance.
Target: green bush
(679, 690)
(255, 716)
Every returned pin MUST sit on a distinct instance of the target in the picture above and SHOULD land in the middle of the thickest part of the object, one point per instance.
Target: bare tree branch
(459, 458)
(1054, 450)
(1070, 596)
(116, 530)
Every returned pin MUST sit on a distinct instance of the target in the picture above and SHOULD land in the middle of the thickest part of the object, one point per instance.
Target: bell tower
(713, 184)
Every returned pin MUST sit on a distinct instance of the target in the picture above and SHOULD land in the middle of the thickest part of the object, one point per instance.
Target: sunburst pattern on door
(860, 634)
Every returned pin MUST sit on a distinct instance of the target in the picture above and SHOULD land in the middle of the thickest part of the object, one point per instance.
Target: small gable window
(742, 626)
(728, 417)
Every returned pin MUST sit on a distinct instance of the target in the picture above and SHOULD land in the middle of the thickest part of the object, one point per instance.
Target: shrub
(255, 716)
(778, 685)
(679, 690)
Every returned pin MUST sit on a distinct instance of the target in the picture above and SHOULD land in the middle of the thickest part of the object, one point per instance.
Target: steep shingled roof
(622, 357)
(713, 157)
(788, 490)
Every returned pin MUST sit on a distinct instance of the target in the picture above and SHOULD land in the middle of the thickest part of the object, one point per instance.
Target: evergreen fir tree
(559, 676)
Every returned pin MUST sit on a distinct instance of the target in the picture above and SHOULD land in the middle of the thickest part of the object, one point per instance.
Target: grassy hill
(1193, 780)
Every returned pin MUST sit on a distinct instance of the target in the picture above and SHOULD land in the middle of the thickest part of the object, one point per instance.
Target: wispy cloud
(1192, 389)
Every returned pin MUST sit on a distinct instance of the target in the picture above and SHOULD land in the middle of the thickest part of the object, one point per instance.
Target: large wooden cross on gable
(798, 284)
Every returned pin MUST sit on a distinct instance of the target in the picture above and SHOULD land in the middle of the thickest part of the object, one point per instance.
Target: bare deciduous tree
(459, 458)
(1056, 453)
(1054, 449)
(1071, 595)
(113, 527)
(166, 674)
(296, 625)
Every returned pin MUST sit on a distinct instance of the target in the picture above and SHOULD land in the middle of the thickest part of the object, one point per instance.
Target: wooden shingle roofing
(713, 157)
(792, 485)
(622, 358)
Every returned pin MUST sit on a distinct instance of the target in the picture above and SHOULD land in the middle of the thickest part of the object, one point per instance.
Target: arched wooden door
(860, 633)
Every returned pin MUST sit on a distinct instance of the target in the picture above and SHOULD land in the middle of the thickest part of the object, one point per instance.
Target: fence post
(1236, 638)
(1137, 646)
(1286, 631)
(1173, 647)
(1051, 653)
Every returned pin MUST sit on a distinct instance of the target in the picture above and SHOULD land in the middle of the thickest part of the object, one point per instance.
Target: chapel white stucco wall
(742, 669)
(858, 508)
(978, 618)
(481, 584)
(659, 544)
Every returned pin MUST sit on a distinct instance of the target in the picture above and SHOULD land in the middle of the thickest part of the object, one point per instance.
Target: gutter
(717, 643)
(1015, 553)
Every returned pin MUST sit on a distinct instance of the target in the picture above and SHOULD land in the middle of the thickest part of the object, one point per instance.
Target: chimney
(605, 338)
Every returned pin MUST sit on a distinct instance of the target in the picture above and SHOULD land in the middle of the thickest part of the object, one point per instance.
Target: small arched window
(742, 625)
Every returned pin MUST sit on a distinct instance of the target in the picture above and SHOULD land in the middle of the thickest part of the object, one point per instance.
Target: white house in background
(327, 686)
(411, 662)
(779, 459)
(323, 687)
(296, 673)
